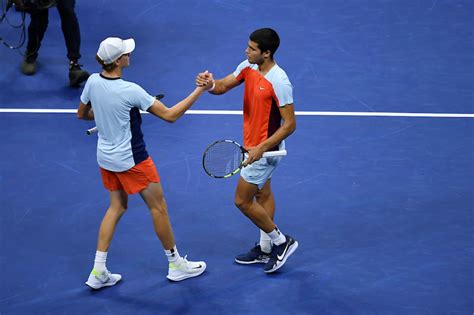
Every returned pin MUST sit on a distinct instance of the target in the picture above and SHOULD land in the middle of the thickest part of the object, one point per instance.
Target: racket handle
(91, 131)
(275, 153)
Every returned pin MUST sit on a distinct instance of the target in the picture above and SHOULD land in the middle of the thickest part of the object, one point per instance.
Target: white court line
(239, 112)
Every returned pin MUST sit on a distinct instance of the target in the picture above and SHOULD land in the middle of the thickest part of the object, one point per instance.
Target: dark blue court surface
(383, 207)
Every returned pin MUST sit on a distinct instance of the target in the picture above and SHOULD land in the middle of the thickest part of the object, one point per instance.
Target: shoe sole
(184, 277)
(103, 285)
(242, 262)
(290, 252)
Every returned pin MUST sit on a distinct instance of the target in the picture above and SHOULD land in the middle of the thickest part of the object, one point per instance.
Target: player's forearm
(180, 108)
(281, 134)
(85, 112)
(219, 88)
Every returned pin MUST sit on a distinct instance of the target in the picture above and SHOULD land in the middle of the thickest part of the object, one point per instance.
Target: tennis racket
(94, 129)
(224, 158)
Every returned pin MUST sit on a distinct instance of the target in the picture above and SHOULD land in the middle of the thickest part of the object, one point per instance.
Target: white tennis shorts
(260, 171)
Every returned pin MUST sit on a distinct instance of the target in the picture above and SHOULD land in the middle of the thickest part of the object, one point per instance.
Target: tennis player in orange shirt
(269, 118)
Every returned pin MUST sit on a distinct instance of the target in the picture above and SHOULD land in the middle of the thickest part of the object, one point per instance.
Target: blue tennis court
(380, 200)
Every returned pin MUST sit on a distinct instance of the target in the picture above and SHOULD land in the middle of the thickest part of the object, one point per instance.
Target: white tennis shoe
(105, 279)
(185, 269)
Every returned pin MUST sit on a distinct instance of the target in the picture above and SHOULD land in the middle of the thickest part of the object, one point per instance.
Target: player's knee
(118, 210)
(122, 208)
(263, 196)
(159, 208)
(242, 204)
(159, 211)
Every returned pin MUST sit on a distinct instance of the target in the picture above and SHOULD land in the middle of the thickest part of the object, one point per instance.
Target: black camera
(31, 5)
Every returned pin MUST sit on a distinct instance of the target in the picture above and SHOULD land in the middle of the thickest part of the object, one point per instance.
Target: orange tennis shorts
(133, 180)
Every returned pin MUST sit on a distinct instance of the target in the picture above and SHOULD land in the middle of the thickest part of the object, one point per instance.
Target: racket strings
(222, 158)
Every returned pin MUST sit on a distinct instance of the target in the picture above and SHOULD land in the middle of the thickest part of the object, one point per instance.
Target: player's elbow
(170, 118)
(173, 114)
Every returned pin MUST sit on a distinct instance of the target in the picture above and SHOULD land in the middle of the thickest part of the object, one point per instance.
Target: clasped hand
(205, 79)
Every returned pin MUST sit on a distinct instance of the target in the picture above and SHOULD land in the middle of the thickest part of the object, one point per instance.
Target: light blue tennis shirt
(116, 104)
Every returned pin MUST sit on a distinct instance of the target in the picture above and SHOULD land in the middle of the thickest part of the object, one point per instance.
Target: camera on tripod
(30, 5)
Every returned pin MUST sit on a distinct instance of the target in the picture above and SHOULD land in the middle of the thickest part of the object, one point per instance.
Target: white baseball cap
(113, 47)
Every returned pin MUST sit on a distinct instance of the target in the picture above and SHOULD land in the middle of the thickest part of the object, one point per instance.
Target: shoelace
(185, 260)
(106, 275)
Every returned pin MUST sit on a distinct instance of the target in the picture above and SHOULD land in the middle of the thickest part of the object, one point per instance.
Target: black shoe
(254, 256)
(280, 254)
(28, 66)
(76, 74)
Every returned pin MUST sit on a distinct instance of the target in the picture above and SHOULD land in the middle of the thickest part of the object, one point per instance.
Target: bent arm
(84, 111)
(171, 114)
(287, 113)
(287, 128)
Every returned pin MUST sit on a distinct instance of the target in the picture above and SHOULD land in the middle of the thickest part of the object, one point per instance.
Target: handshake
(206, 81)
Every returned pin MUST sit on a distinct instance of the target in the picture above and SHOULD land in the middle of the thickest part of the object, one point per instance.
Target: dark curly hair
(267, 39)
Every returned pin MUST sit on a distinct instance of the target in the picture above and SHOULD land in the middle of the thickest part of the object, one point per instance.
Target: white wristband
(213, 87)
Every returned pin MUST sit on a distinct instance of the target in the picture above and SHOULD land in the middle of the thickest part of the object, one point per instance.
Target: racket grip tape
(91, 131)
(275, 153)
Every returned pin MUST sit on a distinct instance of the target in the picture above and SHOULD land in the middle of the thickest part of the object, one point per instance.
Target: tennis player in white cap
(125, 165)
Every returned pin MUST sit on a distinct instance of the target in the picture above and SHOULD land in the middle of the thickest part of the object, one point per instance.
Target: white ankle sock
(265, 242)
(172, 254)
(277, 237)
(99, 261)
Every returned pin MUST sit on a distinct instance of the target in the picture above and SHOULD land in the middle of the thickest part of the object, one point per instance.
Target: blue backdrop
(382, 207)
